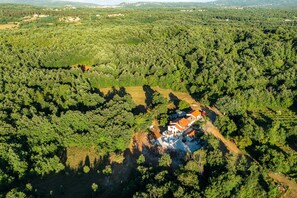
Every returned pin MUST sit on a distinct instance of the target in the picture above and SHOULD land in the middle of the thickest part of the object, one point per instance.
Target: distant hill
(162, 5)
(47, 2)
(257, 3)
(217, 3)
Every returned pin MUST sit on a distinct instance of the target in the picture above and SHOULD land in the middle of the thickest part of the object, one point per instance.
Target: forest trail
(210, 128)
(292, 192)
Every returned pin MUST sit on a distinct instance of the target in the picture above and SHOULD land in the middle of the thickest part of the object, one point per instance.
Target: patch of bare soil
(9, 26)
(292, 191)
(138, 142)
(116, 158)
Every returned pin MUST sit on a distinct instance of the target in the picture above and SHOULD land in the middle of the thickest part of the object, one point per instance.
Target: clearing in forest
(139, 96)
(78, 157)
(137, 93)
(9, 26)
(180, 95)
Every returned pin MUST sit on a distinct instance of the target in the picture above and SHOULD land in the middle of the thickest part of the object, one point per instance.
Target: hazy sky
(113, 2)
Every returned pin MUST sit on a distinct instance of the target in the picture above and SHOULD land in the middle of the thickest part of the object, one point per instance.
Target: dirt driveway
(211, 129)
(292, 192)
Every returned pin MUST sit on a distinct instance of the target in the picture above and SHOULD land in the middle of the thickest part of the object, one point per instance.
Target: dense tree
(242, 61)
(165, 160)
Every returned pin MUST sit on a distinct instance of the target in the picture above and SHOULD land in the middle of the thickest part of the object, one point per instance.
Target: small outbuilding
(85, 68)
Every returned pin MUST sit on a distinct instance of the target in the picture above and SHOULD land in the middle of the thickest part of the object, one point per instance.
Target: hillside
(257, 3)
(49, 3)
(163, 5)
(218, 3)
(85, 94)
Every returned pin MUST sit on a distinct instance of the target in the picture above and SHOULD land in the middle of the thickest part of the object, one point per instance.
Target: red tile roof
(180, 124)
(183, 122)
(195, 113)
(178, 127)
(157, 134)
(191, 133)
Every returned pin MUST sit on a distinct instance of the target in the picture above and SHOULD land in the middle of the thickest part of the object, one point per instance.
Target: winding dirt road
(292, 192)
(211, 129)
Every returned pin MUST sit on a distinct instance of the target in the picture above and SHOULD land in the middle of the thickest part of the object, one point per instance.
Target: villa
(177, 126)
(180, 134)
(194, 114)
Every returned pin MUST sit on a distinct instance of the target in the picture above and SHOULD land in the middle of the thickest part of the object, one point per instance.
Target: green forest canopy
(242, 61)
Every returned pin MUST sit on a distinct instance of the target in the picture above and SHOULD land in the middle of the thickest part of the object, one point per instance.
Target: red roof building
(204, 113)
(178, 125)
(85, 68)
(194, 113)
(183, 122)
(191, 133)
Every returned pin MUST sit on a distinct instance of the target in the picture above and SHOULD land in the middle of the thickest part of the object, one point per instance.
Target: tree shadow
(149, 92)
(75, 182)
(87, 161)
(63, 155)
(223, 148)
(100, 93)
(293, 107)
(123, 182)
(263, 121)
(292, 141)
(210, 113)
(139, 109)
(263, 183)
(114, 91)
(258, 154)
(174, 99)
